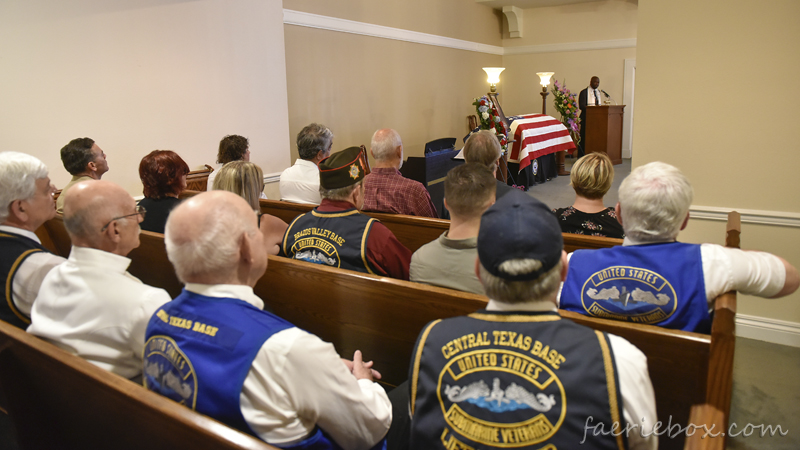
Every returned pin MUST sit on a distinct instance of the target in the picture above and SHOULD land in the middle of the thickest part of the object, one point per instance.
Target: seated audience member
(249, 368)
(231, 148)
(517, 365)
(246, 180)
(27, 194)
(654, 279)
(300, 183)
(591, 178)
(386, 190)
(163, 174)
(90, 305)
(450, 260)
(85, 161)
(334, 232)
(484, 148)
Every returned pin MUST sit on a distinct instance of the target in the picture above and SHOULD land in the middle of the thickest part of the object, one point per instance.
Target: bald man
(259, 373)
(90, 305)
(385, 189)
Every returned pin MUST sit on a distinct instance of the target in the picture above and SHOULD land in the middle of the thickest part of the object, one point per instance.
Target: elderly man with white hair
(654, 279)
(386, 190)
(27, 198)
(90, 305)
(215, 350)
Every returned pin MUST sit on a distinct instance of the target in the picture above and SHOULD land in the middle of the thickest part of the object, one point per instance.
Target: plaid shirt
(388, 191)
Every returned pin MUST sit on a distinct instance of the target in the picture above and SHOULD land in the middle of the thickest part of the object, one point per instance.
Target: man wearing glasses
(90, 305)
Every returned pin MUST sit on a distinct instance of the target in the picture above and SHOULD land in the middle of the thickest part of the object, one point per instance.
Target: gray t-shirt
(447, 263)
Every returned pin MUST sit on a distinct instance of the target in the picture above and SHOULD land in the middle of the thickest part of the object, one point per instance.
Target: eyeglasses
(139, 210)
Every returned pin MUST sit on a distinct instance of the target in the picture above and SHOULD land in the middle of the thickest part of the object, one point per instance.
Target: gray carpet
(765, 375)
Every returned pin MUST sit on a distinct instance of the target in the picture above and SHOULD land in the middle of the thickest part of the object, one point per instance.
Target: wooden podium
(604, 131)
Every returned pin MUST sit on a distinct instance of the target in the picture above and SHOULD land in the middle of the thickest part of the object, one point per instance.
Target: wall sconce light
(493, 76)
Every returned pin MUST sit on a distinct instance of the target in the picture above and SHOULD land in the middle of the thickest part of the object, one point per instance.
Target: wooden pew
(59, 401)
(382, 317)
(197, 180)
(413, 231)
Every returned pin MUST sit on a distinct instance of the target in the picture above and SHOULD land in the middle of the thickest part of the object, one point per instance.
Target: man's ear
(445, 203)
(114, 232)
(618, 212)
(685, 221)
(246, 249)
(17, 210)
(478, 268)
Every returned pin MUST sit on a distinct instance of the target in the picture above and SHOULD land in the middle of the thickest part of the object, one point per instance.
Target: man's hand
(360, 369)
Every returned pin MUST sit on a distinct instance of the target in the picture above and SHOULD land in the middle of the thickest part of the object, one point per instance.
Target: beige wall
(357, 84)
(521, 86)
(458, 19)
(138, 76)
(729, 123)
(583, 22)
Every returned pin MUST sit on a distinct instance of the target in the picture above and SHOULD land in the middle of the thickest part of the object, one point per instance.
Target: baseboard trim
(304, 19)
(571, 46)
(769, 330)
(778, 218)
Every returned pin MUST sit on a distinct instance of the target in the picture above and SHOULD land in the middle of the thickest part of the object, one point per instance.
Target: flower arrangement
(490, 120)
(566, 104)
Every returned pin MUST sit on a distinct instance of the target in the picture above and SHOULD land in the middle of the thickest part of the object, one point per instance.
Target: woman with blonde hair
(591, 178)
(247, 180)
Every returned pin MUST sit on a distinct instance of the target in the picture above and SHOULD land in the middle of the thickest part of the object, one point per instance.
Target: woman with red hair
(163, 175)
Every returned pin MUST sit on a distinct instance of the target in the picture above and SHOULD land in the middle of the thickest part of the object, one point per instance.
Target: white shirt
(31, 272)
(638, 398)
(731, 269)
(300, 183)
(298, 381)
(92, 307)
(590, 97)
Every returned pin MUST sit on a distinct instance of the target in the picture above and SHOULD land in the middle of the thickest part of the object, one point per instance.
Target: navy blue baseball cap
(518, 226)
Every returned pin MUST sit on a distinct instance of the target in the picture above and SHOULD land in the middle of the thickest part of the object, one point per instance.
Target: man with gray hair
(503, 377)
(386, 190)
(215, 350)
(27, 198)
(90, 305)
(300, 183)
(484, 148)
(654, 279)
(85, 161)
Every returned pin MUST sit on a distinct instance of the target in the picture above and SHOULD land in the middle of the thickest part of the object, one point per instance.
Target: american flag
(537, 135)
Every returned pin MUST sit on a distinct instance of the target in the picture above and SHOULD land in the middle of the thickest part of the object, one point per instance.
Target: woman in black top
(591, 178)
(163, 174)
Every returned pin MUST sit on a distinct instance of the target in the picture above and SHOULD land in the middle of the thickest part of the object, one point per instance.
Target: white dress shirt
(298, 381)
(30, 273)
(638, 398)
(92, 307)
(300, 183)
(590, 97)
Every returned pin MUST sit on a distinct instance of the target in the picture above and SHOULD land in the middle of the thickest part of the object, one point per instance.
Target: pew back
(58, 400)
(413, 231)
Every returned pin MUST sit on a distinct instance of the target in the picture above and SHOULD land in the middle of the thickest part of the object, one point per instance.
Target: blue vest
(16, 249)
(513, 380)
(659, 284)
(337, 238)
(199, 350)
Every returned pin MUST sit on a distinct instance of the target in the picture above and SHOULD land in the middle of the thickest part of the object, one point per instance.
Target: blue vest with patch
(336, 238)
(199, 350)
(16, 249)
(514, 380)
(658, 284)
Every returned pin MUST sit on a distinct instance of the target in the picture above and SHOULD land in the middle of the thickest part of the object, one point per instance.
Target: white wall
(140, 75)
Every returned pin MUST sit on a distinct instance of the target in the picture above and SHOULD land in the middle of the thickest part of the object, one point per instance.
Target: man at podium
(588, 96)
